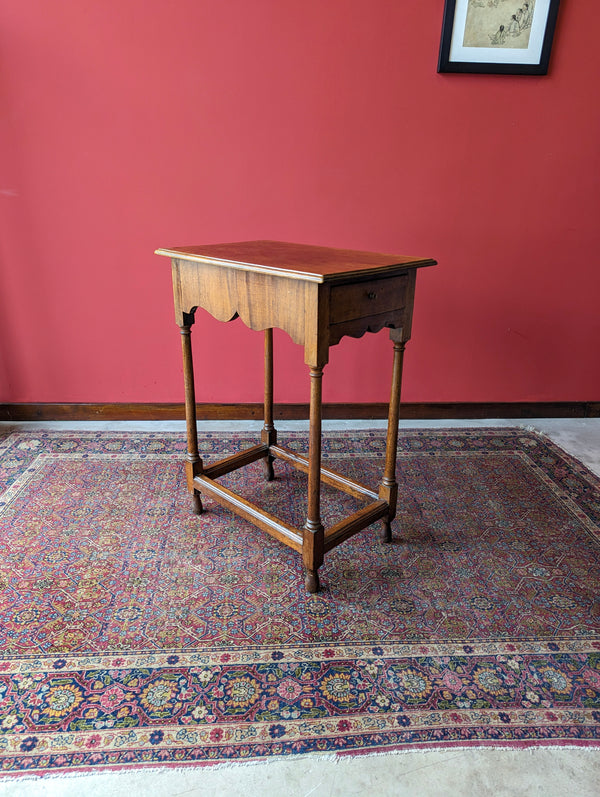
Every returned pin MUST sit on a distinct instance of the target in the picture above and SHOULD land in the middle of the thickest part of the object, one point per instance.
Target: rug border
(429, 746)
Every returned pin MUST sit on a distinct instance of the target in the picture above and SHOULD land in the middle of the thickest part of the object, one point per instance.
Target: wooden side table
(317, 295)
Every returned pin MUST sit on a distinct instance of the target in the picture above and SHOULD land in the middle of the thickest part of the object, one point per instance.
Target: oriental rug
(134, 633)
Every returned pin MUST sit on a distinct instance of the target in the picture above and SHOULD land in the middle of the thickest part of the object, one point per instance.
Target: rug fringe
(337, 759)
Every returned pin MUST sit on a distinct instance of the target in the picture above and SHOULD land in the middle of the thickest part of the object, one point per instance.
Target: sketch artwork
(498, 23)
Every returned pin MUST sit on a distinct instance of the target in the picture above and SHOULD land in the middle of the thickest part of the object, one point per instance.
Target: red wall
(132, 124)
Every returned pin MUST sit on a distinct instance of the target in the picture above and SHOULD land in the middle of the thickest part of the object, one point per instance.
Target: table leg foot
(197, 507)
(311, 581)
(387, 531)
(268, 467)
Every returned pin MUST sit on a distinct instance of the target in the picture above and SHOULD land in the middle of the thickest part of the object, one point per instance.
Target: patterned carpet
(135, 633)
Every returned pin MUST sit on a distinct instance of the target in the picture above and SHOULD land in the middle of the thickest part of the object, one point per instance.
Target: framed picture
(502, 37)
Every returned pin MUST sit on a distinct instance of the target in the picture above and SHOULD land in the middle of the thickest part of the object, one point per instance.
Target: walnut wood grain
(274, 526)
(312, 545)
(317, 295)
(364, 299)
(388, 489)
(268, 433)
(356, 522)
(299, 261)
(235, 461)
(329, 476)
(193, 464)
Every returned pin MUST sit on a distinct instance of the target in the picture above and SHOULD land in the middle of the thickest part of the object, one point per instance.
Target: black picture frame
(457, 54)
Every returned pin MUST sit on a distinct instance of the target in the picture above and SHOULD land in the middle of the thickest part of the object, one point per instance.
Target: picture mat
(501, 54)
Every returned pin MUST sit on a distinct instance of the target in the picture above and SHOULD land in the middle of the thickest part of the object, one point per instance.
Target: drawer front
(363, 299)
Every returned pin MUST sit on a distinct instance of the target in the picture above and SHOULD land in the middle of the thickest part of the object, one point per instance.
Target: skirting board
(422, 411)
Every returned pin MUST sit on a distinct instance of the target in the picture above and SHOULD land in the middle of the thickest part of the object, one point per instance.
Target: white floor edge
(580, 437)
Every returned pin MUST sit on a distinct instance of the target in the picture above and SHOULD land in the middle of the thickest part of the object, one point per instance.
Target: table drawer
(363, 299)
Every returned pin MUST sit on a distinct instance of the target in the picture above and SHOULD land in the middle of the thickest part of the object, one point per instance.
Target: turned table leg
(388, 489)
(314, 535)
(269, 433)
(193, 463)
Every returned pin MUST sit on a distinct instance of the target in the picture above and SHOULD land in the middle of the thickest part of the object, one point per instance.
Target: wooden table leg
(193, 464)
(388, 489)
(314, 535)
(269, 433)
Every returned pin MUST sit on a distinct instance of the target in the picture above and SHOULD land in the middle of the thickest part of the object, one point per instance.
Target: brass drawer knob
(371, 295)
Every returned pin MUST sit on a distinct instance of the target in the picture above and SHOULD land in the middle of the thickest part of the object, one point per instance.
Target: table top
(300, 261)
